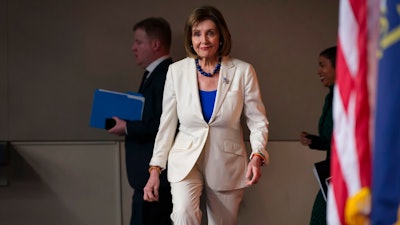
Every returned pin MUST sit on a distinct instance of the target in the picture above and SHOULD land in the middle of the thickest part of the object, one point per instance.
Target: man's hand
(119, 128)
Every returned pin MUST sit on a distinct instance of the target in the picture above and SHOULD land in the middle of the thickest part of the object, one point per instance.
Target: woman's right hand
(303, 138)
(151, 188)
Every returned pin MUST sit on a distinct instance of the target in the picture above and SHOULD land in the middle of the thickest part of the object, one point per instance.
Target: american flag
(349, 195)
(367, 59)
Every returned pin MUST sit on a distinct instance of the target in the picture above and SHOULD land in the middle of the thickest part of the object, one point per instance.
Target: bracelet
(262, 157)
(155, 168)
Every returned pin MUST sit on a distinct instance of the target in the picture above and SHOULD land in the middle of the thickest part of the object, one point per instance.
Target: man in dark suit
(152, 41)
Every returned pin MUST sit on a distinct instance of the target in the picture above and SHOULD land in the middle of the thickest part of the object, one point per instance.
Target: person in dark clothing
(152, 41)
(322, 141)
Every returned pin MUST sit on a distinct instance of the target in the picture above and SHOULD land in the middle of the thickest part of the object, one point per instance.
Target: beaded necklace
(216, 69)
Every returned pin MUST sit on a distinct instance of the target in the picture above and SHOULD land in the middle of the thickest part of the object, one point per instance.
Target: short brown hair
(156, 27)
(208, 13)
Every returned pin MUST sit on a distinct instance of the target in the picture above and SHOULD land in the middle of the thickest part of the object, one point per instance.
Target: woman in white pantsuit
(207, 93)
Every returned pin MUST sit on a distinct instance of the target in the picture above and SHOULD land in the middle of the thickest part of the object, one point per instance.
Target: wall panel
(62, 183)
(58, 52)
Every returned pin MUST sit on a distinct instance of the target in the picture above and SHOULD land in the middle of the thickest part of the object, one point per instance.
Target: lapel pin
(226, 81)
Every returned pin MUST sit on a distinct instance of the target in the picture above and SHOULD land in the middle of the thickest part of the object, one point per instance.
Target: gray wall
(54, 53)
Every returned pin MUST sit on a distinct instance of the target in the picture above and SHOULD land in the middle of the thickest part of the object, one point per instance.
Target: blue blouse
(207, 100)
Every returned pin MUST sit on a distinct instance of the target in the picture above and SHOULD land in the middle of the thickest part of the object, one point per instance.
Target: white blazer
(221, 139)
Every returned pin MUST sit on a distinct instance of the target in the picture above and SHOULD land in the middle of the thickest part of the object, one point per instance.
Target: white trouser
(222, 206)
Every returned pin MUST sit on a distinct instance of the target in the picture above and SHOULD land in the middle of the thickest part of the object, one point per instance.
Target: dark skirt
(318, 215)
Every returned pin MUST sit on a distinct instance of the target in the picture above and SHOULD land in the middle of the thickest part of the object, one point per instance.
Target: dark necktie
(144, 78)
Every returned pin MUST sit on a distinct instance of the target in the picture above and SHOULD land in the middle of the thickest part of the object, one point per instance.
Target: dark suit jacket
(139, 141)
(325, 129)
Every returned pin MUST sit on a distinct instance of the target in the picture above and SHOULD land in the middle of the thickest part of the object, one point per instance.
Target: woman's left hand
(253, 173)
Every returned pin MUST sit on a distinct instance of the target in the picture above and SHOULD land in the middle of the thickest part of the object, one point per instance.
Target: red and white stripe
(351, 158)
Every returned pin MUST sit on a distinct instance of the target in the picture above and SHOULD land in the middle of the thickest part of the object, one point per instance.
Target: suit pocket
(233, 93)
(181, 145)
(234, 148)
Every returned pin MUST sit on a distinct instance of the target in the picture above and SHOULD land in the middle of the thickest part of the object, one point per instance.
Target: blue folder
(106, 104)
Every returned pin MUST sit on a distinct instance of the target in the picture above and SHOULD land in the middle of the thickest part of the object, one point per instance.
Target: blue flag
(386, 156)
